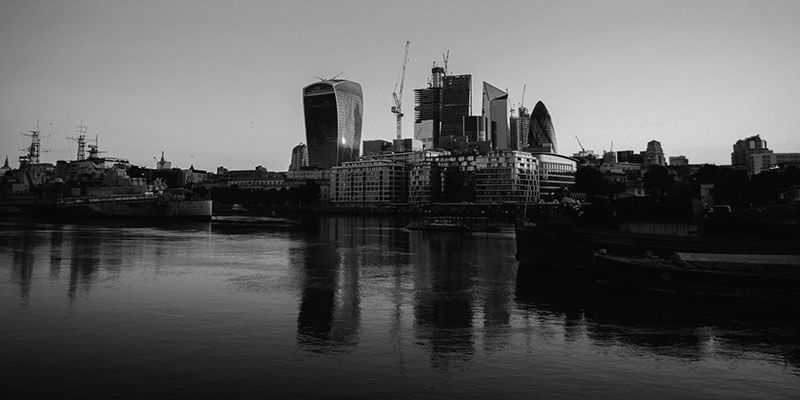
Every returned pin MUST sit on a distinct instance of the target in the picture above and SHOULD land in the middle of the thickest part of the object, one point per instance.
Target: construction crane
(80, 140)
(522, 102)
(398, 95)
(579, 144)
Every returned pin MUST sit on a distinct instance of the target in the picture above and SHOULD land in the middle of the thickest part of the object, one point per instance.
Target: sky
(219, 83)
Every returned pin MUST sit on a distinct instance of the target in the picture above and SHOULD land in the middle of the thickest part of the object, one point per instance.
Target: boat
(453, 224)
(93, 186)
(704, 274)
(565, 239)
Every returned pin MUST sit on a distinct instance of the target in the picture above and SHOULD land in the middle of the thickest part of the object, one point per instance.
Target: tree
(658, 180)
(732, 187)
(589, 180)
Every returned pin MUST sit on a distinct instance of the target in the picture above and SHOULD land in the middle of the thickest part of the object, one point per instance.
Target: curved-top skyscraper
(333, 111)
(542, 136)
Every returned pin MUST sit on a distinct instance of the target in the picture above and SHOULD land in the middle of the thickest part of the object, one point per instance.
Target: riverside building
(369, 183)
(556, 175)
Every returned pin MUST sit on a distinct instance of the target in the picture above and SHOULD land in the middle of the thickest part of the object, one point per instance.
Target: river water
(351, 308)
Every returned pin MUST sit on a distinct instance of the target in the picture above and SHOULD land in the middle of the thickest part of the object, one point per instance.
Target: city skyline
(221, 84)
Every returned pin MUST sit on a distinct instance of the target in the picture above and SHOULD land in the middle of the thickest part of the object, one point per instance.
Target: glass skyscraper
(542, 135)
(333, 111)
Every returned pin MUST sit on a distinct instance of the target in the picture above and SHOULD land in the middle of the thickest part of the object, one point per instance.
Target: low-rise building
(556, 175)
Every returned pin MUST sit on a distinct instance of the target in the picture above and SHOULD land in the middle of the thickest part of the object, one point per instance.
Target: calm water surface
(351, 308)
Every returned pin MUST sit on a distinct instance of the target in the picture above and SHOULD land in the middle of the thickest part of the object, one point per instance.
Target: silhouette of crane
(398, 95)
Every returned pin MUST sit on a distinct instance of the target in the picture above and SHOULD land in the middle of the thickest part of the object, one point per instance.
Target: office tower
(456, 104)
(299, 157)
(428, 110)
(333, 111)
(542, 136)
(518, 129)
(654, 155)
(495, 111)
(474, 128)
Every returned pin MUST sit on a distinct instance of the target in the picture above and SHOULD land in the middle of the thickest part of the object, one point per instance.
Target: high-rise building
(654, 155)
(299, 157)
(428, 110)
(542, 136)
(333, 111)
(743, 149)
(519, 125)
(456, 104)
(474, 128)
(495, 111)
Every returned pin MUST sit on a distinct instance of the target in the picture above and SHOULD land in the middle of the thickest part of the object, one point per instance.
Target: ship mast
(81, 140)
(35, 148)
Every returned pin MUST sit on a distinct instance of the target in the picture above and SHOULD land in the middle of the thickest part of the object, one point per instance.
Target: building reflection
(444, 272)
(329, 315)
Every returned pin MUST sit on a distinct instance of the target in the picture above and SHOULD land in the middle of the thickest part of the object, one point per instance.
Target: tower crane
(398, 95)
(579, 144)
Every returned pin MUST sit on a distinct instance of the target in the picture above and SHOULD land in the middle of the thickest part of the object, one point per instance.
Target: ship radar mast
(81, 140)
(35, 148)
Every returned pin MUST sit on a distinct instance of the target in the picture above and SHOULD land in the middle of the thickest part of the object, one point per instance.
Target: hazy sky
(219, 83)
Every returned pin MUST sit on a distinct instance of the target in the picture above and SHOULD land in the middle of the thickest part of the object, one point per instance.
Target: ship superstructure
(93, 185)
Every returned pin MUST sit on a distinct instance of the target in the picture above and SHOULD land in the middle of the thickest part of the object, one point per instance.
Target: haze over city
(219, 84)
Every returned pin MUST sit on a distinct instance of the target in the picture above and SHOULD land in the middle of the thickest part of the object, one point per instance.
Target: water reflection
(56, 248)
(443, 302)
(685, 328)
(23, 244)
(329, 304)
(84, 262)
(372, 295)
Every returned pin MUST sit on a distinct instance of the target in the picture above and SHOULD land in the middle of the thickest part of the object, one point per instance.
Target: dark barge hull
(723, 279)
(563, 245)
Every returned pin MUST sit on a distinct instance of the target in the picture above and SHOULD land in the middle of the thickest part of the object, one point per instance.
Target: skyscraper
(495, 111)
(456, 103)
(428, 110)
(519, 126)
(542, 136)
(333, 111)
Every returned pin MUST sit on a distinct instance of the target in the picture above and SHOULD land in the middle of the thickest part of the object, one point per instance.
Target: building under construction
(428, 110)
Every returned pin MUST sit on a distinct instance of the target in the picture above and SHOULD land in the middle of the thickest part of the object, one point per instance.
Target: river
(349, 307)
